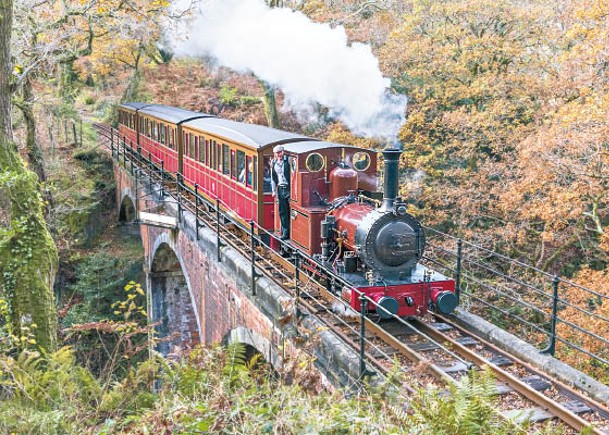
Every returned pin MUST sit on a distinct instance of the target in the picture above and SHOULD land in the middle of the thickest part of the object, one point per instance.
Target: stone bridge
(199, 300)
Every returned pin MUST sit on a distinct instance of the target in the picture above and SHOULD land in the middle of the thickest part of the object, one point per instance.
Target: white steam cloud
(310, 62)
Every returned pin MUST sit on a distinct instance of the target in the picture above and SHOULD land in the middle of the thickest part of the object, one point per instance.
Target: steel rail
(580, 396)
(562, 413)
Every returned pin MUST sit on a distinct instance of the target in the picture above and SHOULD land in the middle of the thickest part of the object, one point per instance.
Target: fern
(469, 407)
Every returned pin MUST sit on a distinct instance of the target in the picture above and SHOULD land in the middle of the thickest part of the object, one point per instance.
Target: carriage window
(233, 166)
(207, 157)
(249, 171)
(266, 175)
(185, 143)
(255, 170)
(241, 169)
(162, 133)
(192, 146)
(212, 151)
(361, 161)
(131, 121)
(202, 146)
(315, 162)
(225, 159)
(219, 156)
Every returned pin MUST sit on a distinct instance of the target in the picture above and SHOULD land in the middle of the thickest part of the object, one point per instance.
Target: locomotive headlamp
(401, 210)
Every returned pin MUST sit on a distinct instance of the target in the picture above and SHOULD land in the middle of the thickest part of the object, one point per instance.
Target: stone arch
(255, 344)
(170, 299)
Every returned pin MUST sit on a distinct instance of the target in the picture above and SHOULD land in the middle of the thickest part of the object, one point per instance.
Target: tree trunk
(28, 257)
(6, 25)
(270, 106)
(68, 77)
(34, 153)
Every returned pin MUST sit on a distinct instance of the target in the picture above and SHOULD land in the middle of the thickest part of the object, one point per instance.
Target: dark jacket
(286, 172)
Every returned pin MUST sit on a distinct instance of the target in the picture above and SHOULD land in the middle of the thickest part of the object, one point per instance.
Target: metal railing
(547, 311)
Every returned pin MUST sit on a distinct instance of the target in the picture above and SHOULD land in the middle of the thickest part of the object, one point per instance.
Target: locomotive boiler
(379, 249)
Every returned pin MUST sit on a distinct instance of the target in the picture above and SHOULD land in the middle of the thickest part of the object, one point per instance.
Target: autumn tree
(561, 175)
(473, 72)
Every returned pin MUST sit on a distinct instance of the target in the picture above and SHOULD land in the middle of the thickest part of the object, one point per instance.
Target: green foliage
(111, 344)
(101, 278)
(228, 96)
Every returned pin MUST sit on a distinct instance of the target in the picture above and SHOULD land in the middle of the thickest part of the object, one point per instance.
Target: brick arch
(170, 298)
(126, 204)
(126, 211)
(255, 343)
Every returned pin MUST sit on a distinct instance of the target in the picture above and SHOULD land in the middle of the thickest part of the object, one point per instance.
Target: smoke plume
(311, 63)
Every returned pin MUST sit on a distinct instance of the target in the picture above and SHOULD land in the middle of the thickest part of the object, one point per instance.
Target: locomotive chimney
(391, 156)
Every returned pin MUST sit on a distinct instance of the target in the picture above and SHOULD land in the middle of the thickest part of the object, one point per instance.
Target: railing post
(362, 339)
(112, 142)
(162, 178)
(218, 228)
(551, 349)
(253, 255)
(179, 189)
(125, 152)
(131, 155)
(149, 171)
(297, 282)
(458, 277)
(196, 209)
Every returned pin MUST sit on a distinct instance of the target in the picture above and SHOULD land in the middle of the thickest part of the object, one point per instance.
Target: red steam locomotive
(333, 216)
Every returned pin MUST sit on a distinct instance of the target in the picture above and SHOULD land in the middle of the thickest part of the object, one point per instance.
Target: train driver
(280, 183)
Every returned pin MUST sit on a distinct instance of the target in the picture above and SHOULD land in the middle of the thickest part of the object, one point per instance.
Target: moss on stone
(28, 256)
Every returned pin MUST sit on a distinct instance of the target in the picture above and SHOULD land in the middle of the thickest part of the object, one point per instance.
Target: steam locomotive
(334, 219)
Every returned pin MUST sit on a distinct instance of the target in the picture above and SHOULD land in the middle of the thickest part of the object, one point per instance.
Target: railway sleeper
(441, 326)
(384, 352)
(501, 361)
(536, 382)
(536, 414)
(429, 346)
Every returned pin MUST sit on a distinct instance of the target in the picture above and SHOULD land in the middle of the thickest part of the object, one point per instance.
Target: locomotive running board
(156, 220)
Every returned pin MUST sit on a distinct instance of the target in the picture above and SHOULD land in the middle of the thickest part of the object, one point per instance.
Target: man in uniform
(280, 183)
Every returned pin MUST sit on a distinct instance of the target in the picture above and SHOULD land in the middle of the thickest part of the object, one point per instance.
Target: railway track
(439, 352)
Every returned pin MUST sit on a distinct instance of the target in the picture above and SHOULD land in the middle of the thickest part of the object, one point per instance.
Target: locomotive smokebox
(391, 156)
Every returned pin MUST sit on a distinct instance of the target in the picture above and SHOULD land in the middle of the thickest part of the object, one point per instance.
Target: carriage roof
(165, 113)
(252, 135)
